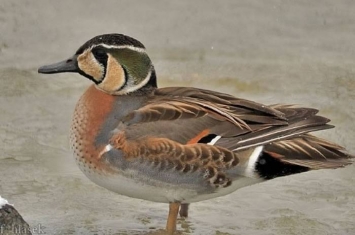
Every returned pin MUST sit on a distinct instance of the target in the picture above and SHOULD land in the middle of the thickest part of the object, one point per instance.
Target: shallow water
(275, 52)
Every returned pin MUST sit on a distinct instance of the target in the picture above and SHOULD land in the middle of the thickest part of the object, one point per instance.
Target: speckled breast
(90, 113)
(96, 115)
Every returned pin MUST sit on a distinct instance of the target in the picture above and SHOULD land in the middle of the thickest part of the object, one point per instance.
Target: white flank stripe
(214, 140)
(252, 161)
(108, 147)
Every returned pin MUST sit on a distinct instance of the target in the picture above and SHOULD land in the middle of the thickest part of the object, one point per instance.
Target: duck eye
(100, 54)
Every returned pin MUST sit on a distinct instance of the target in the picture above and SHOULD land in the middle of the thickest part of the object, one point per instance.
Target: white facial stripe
(214, 140)
(137, 49)
(252, 161)
(129, 89)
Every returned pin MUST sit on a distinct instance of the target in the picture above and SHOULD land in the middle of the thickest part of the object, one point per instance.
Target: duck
(179, 145)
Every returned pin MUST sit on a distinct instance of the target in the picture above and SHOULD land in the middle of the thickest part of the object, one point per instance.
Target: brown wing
(165, 154)
(169, 128)
(187, 115)
(300, 121)
(309, 151)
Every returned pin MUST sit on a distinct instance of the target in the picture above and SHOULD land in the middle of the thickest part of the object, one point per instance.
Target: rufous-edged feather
(309, 151)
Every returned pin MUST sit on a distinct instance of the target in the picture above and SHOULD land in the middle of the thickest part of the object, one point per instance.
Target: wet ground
(273, 52)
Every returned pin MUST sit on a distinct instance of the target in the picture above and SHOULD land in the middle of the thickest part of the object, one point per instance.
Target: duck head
(116, 63)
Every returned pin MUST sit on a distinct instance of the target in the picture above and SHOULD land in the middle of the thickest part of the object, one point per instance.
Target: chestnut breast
(96, 115)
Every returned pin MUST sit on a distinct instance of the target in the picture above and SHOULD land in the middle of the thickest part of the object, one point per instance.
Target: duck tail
(300, 154)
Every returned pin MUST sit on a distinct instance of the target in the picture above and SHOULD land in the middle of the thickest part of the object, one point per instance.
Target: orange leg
(184, 210)
(173, 213)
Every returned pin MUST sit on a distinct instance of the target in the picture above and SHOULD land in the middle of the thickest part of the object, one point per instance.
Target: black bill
(69, 65)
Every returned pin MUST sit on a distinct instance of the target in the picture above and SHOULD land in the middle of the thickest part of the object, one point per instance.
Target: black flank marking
(207, 139)
(269, 167)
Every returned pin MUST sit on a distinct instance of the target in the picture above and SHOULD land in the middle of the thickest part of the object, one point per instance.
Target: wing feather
(167, 128)
(309, 151)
